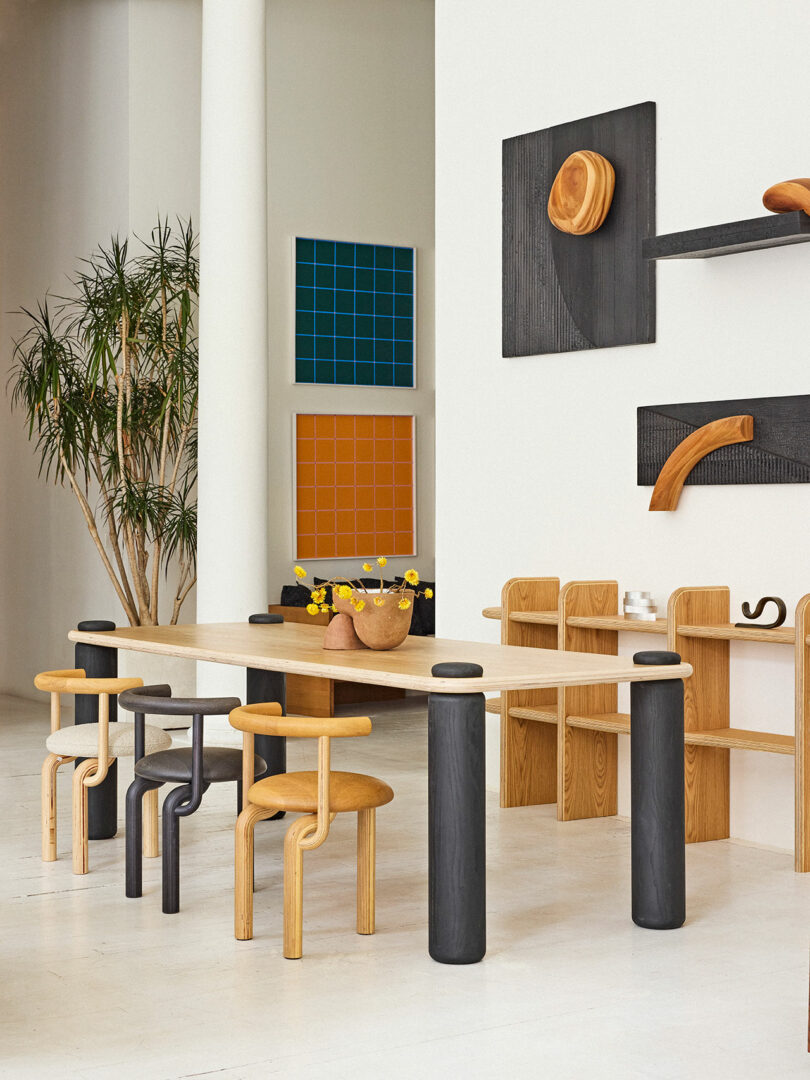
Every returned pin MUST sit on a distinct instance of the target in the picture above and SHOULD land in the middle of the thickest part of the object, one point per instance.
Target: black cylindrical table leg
(268, 686)
(99, 663)
(658, 835)
(456, 822)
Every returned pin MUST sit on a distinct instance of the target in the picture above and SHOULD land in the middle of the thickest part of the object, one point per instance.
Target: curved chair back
(158, 701)
(264, 718)
(75, 681)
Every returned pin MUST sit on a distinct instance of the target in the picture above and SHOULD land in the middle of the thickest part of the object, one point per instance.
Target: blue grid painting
(354, 313)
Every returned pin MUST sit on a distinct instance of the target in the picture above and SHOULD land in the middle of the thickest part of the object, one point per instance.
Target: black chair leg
(134, 834)
(171, 847)
(173, 809)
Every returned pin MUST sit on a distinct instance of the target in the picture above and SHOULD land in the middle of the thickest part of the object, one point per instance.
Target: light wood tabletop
(298, 649)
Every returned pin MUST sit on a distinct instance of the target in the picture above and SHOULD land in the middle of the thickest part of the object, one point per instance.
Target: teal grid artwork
(354, 313)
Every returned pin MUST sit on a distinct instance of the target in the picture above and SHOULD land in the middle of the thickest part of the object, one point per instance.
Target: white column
(233, 496)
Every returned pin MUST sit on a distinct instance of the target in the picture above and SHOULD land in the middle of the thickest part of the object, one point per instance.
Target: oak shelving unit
(562, 747)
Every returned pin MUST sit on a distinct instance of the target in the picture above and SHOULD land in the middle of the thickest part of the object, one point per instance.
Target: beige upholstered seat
(81, 740)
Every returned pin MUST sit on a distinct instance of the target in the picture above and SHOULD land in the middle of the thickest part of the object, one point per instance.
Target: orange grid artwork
(354, 486)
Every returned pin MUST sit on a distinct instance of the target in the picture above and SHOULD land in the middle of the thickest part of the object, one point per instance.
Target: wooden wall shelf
(578, 756)
(778, 635)
(775, 230)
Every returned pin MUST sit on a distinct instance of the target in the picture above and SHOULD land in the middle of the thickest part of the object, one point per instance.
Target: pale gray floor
(95, 985)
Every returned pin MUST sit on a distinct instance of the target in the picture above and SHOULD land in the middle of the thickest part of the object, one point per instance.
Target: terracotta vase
(340, 634)
(379, 626)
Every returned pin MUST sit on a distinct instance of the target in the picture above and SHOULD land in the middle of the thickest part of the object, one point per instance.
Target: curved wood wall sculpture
(582, 192)
(725, 432)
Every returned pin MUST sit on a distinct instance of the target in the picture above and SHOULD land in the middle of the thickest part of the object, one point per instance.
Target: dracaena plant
(107, 380)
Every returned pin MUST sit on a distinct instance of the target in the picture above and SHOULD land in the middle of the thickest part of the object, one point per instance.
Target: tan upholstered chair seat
(81, 740)
(298, 792)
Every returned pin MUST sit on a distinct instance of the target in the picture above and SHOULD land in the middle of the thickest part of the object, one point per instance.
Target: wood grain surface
(528, 748)
(581, 194)
(298, 649)
(587, 759)
(695, 447)
(706, 707)
(788, 195)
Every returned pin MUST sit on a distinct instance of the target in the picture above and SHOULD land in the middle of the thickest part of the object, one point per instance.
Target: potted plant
(107, 382)
(366, 617)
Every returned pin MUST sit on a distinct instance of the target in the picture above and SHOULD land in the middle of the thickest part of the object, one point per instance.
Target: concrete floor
(94, 985)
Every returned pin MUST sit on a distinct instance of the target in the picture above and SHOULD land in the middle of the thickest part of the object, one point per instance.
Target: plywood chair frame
(90, 772)
(305, 833)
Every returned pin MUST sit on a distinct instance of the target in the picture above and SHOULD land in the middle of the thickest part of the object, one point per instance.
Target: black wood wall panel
(778, 454)
(560, 292)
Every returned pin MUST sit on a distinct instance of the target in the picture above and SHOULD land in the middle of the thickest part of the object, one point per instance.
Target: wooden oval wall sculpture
(582, 192)
(787, 196)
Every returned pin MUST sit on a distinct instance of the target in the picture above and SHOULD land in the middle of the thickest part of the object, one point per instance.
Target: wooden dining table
(456, 675)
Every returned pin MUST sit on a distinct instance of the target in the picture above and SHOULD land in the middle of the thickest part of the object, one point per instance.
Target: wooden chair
(98, 745)
(320, 796)
(194, 768)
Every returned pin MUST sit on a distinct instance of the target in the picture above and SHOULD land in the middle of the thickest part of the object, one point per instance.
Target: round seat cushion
(174, 766)
(298, 791)
(81, 740)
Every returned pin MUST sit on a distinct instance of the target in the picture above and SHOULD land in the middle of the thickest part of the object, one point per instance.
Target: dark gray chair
(194, 768)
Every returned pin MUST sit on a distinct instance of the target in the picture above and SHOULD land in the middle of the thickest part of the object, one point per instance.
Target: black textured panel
(778, 454)
(561, 292)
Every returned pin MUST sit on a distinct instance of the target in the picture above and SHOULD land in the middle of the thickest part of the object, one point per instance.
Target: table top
(297, 649)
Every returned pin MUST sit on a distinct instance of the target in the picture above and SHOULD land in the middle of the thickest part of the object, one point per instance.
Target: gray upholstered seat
(174, 766)
(81, 740)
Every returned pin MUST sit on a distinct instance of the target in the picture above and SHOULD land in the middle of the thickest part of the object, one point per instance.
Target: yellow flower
(428, 594)
(404, 604)
(324, 609)
(382, 560)
(412, 577)
(334, 608)
(300, 572)
(378, 600)
(312, 609)
(367, 567)
(359, 605)
(315, 594)
(344, 592)
(321, 595)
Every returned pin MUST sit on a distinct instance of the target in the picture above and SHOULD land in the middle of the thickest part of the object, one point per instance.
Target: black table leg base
(268, 686)
(456, 811)
(98, 662)
(658, 832)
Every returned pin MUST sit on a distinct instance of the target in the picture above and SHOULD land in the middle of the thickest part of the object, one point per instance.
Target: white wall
(350, 114)
(536, 456)
(99, 129)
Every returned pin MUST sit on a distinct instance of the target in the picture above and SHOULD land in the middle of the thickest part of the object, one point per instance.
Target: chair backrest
(75, 681)
(158, 701)
(265, 718)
